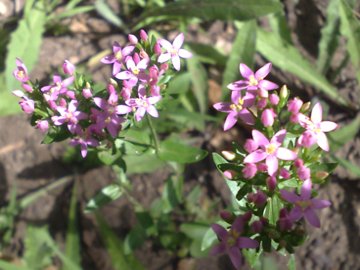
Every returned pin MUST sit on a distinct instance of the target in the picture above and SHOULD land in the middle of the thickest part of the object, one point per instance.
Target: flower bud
(164, 67)
(262, 103)
(250, 145)
(257, 226)
(284, 173)
(132, 39)
(136, 58)
(155, 90)
(42, 125)
(321, 175)
(229, 155)
(125, 93)
(262, 167)
(63, 103)
(263, 93)
(70, 94)
(27, 87)
(247, 216)
(271, 183)
(284, 92)
(249, 171)
(157, 48)
(68, 68)
(227, 216)
(305, 107)
(111, 81)
(298, 162)
(274, 99)
(268, 117)
(143, 54)
(294, 105)
(27, 105)
(303, 173)
(86, 92)
(230, 174)
(307, 139)
(143, 35)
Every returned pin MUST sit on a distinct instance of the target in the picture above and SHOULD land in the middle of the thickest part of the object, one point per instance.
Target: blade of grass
(345, 134)
(108, 14)
(350, 28)
(243, 51)
(352, 168)
(329, 37)
(279, 26)
(288, 58)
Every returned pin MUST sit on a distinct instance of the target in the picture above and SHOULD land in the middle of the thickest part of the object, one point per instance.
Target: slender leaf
(179, 84)
(272, 209)
(108, 14)
(172, 150)
(291, 263)
(217, 10)
(25, 42)
(72, 12)
(208, 54)
(4, 265)
(72, 246)
(352, 168)
(345, 134)
(115, 248)
(106, 195)
(329, 37)
(199, 81)
(147, 162)
(243, 51)
(350, 28)
(279, 26)
(288, 58)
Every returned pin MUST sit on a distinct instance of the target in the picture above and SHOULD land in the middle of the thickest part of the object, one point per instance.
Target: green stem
(153, 133)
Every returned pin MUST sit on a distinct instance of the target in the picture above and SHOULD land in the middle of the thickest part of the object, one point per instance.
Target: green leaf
(172, 150)
(194, 230)
(4, 265)
(352, 168)
(243, 51)
(272, 209)
(291, 263)
(207, 54)
(208, 239)
(252, 257)
(280, 26)
(8, 103)
(107, 13)
(72, 246)
(106, 195)
(115, 248)
(170, 196)
(345, 134)
(25, 42)
(217, 10)
(329, 37)
(144, 163)
(288, 58)
(199, 81)
(350, 28)
(134, 239)
(180, 84)
(219, 160)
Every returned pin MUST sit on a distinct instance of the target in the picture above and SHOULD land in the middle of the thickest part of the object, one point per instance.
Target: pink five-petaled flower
(135, 72)
(21, 73)
(173, 51)
(304, 205)
(253, 81)
(117, 57)
(26, 104)
(270, 151)
(237, 109)
(69, 115)
(142, 104)
(84, 140)
(52, 92)
(231, 241)
(317, 127)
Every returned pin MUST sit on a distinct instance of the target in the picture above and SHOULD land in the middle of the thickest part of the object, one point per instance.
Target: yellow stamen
(253, 81)
(270, 149)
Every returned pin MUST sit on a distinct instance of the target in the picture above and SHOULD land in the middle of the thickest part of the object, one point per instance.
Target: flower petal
(178, 41)
(238, 225)
(279, 137)
(166, 44)
(230, 120)
(220, 231)
(267, 85)
(327, 126)
(322, 141)
(289, 196)
(218, 249)
(222, 107)
(238, 85)
(295, 213)
(259, 138)
(122, 109)
(184, 53)
(255, 156)
(124, 75)
(247, 117)
(306, 190)
(316, 113)
(285, 154)
(152, 111)
(245, 242)
(311, 217)
(235, 257)
(262, 72)
(245, 71)
(319, 204)
(176, 62)
(272, 164)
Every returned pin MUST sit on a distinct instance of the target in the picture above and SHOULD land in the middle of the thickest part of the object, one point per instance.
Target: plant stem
(153, 133)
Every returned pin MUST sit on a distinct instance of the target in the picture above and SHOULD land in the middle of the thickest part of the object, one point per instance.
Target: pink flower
(142, 104)
(134, 71)
(69, 115)
(268, 117)
(250, 145)
(42, 125)
(26, 104)
(270, 151)
(317, 127)
(117, 57)
(303, 173)
(84, 140)
(68, 68)
(173, 51)
(253, 81)
(59, 87)
(237, 109)
(231, 241)
(132, 39)
(21, 72)
(304, 205)
(249, 170)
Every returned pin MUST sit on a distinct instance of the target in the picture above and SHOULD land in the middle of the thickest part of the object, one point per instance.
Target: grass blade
(345, 134)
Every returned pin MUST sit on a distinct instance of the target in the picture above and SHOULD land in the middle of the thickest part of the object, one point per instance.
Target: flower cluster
(70, 107)
(275, 169)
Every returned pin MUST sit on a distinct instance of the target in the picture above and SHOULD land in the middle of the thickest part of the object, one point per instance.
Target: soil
(29, 165)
